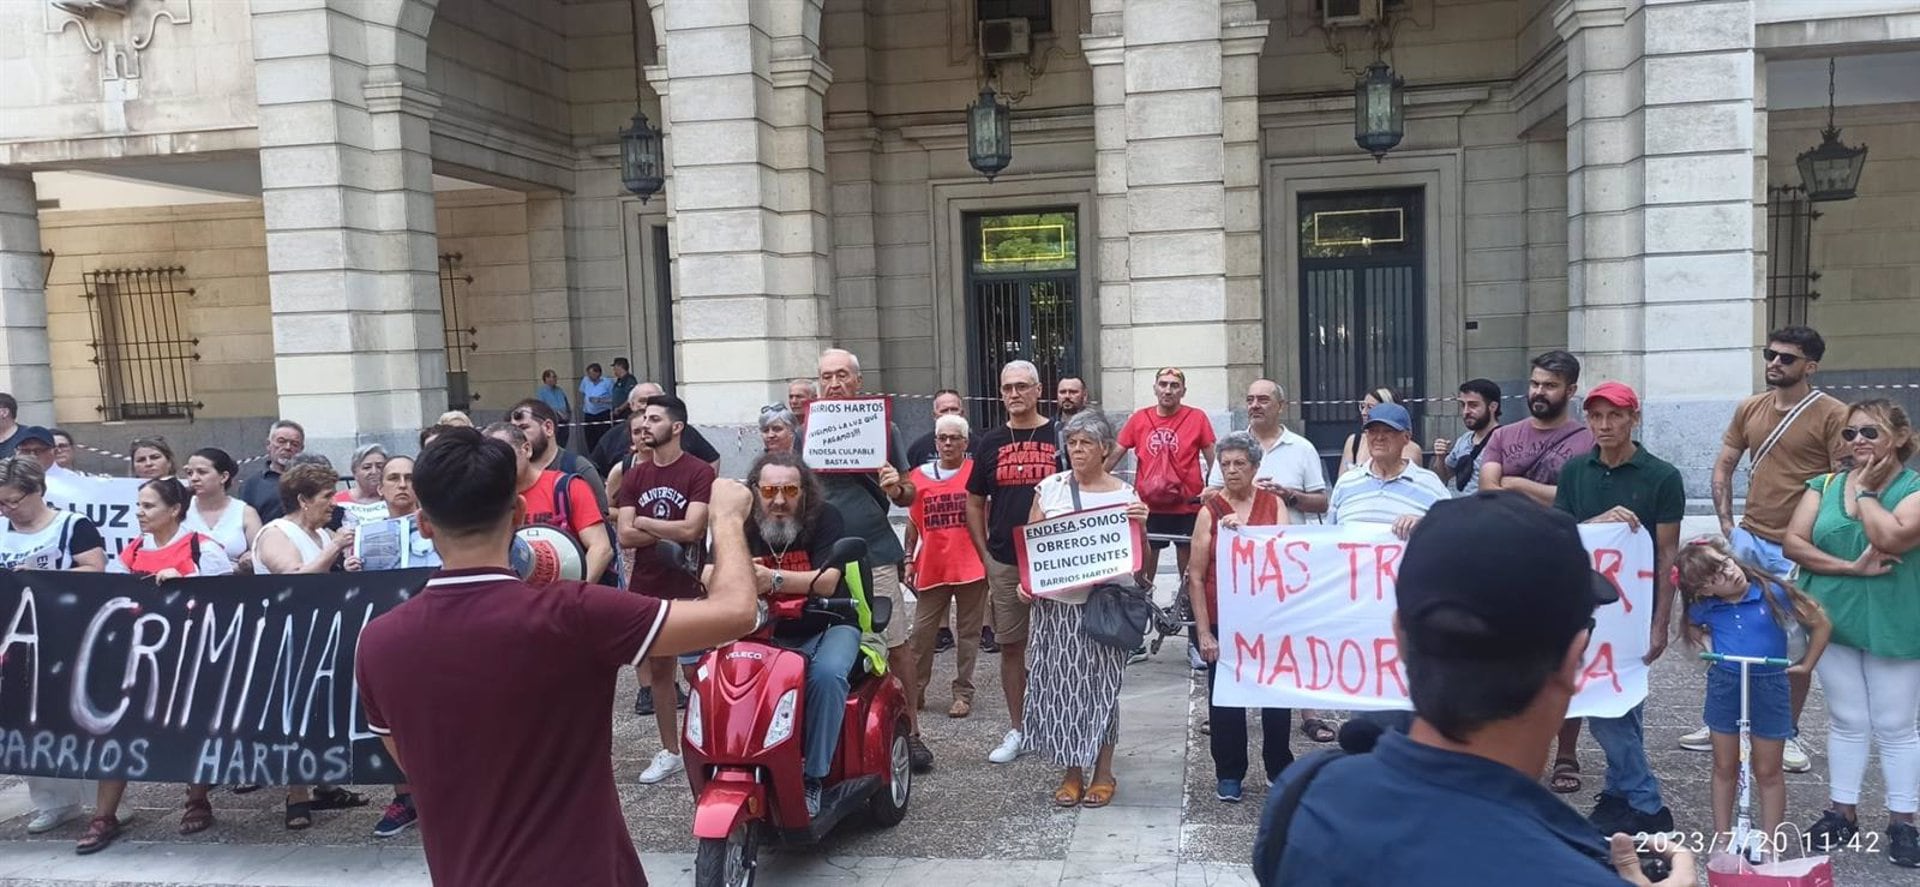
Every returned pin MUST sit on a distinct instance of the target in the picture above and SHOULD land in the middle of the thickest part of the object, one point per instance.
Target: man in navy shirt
(1492, 649)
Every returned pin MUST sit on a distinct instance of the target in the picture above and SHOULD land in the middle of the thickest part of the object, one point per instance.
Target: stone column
(24, 368)
(748, 198)
(552, 309)
(1660, 185)
(1175, 86)
(347, 182)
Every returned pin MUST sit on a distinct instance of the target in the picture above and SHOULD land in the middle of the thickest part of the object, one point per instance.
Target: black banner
(228, 679)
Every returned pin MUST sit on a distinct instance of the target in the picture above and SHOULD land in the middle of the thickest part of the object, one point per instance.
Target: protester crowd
(1815, 565)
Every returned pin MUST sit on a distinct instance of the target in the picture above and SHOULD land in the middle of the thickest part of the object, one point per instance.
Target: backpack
(133, 550)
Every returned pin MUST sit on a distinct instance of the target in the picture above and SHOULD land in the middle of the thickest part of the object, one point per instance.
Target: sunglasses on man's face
(769, 491)
(1781, 357)
(1870, 432)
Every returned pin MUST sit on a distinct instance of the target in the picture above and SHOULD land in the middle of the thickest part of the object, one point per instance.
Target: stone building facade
(362, 206)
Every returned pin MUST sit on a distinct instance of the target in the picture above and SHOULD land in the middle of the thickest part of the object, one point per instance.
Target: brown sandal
(1069, 793)
(102, 830)
(1100, 794)
(1565, 778)
(197, 818)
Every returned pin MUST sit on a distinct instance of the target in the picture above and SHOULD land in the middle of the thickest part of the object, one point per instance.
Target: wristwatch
(778, 580)
(1866, 494)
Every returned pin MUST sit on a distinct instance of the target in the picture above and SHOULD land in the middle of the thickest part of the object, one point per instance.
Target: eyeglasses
(1781, 357)
(1017, 387)
(769, 491)
(9, 505)
(949, 438)
(1870, 432)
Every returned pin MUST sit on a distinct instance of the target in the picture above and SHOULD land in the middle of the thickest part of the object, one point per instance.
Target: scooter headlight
(782, 726)
(696, 733)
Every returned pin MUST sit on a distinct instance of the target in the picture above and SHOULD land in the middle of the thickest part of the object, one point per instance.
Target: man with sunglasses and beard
(1791, 432)
(790, 537)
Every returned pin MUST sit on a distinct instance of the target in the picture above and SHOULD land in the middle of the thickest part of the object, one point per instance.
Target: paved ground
(971, 823)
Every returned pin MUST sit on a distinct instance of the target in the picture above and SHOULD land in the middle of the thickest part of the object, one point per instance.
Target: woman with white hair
(1073, 686)
(778, 428)
(943, 565)
(362, 501)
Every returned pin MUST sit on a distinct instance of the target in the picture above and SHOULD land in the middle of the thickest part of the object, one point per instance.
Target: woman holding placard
(1240, 503)
(39, 537)
(1073, 686)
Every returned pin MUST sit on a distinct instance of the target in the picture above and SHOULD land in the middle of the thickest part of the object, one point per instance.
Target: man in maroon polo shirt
(497, 698)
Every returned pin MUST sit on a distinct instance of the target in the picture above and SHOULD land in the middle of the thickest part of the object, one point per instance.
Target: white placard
(847, 435)
(1078, 550)
(107, 501)
(1306, 619)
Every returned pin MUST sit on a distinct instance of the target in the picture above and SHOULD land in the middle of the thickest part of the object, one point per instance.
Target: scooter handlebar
(1750, 660)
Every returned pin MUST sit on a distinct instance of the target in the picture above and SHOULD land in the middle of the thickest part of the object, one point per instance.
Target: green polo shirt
(1645, 484)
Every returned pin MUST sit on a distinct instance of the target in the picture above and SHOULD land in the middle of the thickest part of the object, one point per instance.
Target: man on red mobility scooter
(853, 751)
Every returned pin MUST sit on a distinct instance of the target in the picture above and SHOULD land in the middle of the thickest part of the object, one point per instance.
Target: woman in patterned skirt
(1073, 687)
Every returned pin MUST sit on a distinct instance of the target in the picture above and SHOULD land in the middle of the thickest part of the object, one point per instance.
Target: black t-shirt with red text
(1007, 463)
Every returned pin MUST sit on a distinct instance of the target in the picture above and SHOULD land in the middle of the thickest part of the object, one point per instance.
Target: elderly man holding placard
(854, 446)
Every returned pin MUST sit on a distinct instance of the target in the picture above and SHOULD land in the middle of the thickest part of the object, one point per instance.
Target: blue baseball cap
(1392, 415)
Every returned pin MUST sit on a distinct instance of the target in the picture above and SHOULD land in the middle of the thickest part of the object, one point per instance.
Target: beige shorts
(1009, 609)
(886, 583)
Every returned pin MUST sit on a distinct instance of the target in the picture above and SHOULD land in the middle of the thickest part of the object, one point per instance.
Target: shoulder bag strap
(1463, 477)
(1073, 486)
(1267, 858)
(1780, 430)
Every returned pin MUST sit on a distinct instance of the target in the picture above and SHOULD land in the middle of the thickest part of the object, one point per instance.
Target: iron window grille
(1790, 273)
(141, 346)
(458, 339)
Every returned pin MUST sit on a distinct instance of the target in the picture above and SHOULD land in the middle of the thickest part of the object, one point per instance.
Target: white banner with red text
(1306, 619)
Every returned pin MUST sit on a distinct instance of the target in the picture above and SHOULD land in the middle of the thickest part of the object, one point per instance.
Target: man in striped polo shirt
(1387, 489)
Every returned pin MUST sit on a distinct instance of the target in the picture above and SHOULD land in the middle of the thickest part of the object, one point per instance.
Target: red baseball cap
(1616, 393)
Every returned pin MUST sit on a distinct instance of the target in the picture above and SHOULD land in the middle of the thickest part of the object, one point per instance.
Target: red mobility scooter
(743, 738)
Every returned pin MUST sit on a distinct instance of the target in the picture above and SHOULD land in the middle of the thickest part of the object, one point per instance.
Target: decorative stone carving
(116, 30)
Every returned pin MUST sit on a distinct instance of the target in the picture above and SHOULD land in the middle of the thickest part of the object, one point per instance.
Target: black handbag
(1116, 614)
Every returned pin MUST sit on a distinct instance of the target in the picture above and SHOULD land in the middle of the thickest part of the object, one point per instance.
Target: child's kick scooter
(1742, 842)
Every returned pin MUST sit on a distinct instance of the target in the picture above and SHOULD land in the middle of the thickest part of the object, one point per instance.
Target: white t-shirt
(1292, 463)
(51, 547)
(1055, 496)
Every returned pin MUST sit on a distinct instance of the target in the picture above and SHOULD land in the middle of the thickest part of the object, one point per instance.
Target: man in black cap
(1493, 653)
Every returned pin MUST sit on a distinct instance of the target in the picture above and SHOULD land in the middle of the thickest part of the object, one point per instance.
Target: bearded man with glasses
(1791, 433)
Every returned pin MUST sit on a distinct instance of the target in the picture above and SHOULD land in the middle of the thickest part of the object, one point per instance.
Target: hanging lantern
(1379, 110)
(643, 164)
(1831, 171)
(989, 134)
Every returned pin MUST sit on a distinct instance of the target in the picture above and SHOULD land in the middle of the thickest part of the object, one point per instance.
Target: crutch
(1742, 816)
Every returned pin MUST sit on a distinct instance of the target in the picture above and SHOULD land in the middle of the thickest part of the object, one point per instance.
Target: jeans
(1870, 695)
(1229, 739)
(1766, 555)
(830, 656)
(1629, 775)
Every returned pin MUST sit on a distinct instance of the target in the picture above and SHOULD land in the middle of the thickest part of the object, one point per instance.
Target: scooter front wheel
(728, 861)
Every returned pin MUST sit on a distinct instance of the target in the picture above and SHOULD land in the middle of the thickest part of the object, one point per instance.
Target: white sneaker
(665, 764)
(1009, 748)
(1793, 758)
(1699, 740)
(47, 820)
